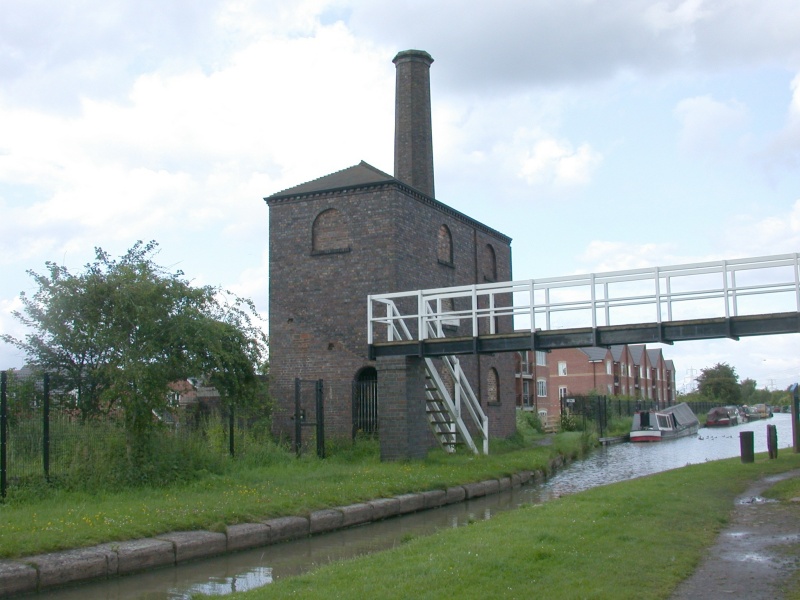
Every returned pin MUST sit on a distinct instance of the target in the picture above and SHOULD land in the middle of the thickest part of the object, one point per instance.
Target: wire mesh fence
(44, 438)
(600, 411)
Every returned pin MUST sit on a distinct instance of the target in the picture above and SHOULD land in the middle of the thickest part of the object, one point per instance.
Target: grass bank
(635, 539)
(61, 519)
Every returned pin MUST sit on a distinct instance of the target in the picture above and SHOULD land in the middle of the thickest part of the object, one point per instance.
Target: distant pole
(3, 431)
(795, 411)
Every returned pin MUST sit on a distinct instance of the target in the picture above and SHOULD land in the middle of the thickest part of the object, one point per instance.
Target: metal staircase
(445, 411)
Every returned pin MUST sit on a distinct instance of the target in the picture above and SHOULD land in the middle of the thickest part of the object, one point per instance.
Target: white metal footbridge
(722, 299)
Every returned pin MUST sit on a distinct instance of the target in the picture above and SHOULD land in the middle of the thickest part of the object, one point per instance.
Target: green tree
(117, 334)
(720, 383)
(748, 391)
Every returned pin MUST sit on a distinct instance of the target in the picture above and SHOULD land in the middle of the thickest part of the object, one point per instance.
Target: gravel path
(754, 556)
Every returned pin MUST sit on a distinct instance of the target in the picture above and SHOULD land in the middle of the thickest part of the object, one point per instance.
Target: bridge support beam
(403, 425)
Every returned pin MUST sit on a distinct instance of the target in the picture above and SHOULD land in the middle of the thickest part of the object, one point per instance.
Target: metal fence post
(320, 420)
(231, 436)
(46, 426)
(3, 432)
(298, 442)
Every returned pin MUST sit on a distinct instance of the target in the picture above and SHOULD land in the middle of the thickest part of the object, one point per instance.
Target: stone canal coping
(47, 571)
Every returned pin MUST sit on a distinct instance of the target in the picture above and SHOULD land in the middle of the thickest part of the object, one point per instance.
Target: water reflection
(250, 569)
(619, 462)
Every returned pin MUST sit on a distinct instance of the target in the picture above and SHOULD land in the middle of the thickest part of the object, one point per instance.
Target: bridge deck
(644, 333)
(723, 299)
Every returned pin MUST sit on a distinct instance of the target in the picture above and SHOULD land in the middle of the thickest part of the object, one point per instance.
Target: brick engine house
(360, 231)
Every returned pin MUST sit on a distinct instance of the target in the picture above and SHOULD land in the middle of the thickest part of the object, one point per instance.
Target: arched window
(329, 233)
(492, 387)
(489, 263)
(444, 246)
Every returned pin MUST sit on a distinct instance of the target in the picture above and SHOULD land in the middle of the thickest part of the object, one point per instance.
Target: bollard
(772, 441)
(746, 446)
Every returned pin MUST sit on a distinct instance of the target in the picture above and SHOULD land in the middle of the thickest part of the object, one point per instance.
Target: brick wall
(385, 239)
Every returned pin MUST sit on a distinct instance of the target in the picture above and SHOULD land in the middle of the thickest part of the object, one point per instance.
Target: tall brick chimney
(413, 140)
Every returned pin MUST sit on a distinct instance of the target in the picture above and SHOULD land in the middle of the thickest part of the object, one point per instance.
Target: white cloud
(748, 235)
(543, 159)
(707, 124)
(784, 148)
(603, 255)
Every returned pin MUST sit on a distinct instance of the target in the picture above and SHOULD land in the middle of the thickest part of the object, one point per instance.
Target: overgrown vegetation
(276, 484)
(95, 456)
(115, 337)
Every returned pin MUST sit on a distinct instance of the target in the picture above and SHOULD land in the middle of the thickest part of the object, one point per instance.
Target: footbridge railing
(445, 408)
(721, 289)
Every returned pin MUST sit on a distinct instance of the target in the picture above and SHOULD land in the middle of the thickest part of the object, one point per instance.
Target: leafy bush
(568, 422)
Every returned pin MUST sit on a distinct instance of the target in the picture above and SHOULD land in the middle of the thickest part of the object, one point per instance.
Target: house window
(562, 392)
(541, 388)
(524, 363)
(444, 246)
(526, 393)
(541, 358)
(609, 368)
(562, 368)
(610, 389)
(492, 387)
(329, 234)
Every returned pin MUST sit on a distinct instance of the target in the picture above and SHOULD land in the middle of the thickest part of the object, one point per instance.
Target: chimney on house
(413, 140)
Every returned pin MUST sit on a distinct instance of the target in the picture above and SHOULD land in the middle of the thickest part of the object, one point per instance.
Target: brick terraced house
(544, 379)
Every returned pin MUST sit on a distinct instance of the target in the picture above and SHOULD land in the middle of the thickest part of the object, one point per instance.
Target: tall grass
(262, 485)
(98, 457)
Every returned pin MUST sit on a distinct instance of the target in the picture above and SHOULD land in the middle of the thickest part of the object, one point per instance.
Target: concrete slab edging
(56, 569)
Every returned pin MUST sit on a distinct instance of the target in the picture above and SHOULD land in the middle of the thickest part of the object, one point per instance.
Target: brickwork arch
(444, 245)
(489, 263)
(330, 233)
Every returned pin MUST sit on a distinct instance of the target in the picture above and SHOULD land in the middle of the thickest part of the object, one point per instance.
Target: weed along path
(251, 569)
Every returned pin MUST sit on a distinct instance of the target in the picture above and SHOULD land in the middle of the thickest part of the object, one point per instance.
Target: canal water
(255, 568)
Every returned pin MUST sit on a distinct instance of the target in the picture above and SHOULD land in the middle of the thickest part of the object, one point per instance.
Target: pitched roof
(616, 351)
(359, 175)
(594, 353)
(364, 175)
(654, 354)
(637, 353)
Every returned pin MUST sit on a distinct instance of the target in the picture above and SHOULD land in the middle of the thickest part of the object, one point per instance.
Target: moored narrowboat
(722, 416)
(664, 424)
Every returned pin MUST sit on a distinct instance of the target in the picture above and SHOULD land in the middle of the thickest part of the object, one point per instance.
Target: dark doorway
(365, 403)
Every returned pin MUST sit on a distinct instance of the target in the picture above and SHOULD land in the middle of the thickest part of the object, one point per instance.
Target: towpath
(756, 555)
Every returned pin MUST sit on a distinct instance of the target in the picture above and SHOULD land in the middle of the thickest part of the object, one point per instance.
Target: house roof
(654, 354)
(617, 351)
(637, 353)
(359, 175)
(594, 353)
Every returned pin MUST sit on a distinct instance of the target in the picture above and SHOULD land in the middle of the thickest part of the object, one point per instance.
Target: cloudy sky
(598, 134)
